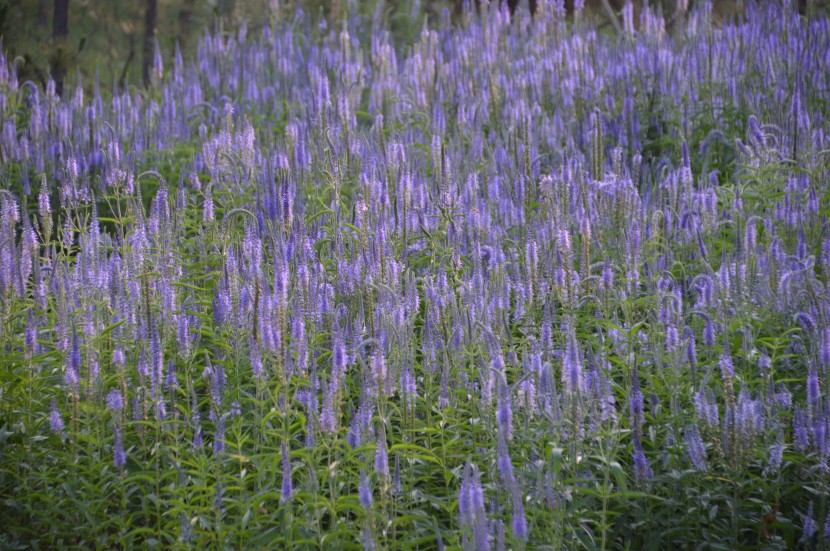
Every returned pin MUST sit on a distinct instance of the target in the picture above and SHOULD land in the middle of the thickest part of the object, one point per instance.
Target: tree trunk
(60, 31)
(43, 14)
(185, 15)
(60, 21)
(150, 16)
(513, 4)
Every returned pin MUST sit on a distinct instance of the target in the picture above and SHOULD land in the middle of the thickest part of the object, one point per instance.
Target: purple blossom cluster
(583, 242)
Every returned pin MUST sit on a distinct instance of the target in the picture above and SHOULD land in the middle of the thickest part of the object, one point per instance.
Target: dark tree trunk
(60, 21)
(60, 30)
(150, 16)
(43, 14)
(185, 15)
(122, 80)
(513, 4)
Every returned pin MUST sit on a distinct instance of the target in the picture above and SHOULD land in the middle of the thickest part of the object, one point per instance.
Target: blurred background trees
(60, 33)
(116, 39)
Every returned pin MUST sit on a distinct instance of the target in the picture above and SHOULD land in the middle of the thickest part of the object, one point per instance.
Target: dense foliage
(519, 284)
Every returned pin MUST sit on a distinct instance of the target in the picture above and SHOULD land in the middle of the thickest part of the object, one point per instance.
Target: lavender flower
(691, 352)
(801, 429)
(256, 360)
(726, 368)
(119, 455)
(642, 471)
(813, 391)
(519, 521)
(808, 524)
(115, 402)
(172, 381)
(572, 366)
(382, 457)
(287, 491)
(55, 419)
(775, 457)
(709, 333)
(472, 511)
(31, 335)
(504, 412)
(707, 408)
(368, 538)
(196, 423)
(365, 493)
(505, 465)
(219, 436)
(695, 447)
(72, 374)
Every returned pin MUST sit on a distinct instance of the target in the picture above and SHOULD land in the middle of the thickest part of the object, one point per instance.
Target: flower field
(516, 283)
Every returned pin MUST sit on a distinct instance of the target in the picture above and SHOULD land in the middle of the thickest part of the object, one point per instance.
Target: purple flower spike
(115, 402)
(365, 493)
(55, 419)
(287, 491)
